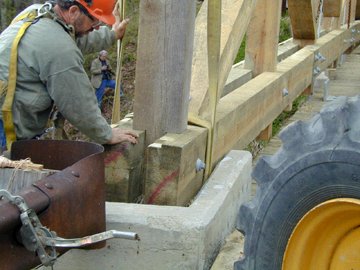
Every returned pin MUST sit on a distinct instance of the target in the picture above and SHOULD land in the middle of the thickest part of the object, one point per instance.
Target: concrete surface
(173, 237)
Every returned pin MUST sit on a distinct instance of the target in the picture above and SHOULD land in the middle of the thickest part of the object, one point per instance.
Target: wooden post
(261, 49)
(353, 10)
(265, 134)
(357, 14)
(163, 68)
(235, 19)
(302, 19)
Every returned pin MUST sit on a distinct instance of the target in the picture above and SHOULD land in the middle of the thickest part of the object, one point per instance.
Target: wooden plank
(236, 15)
(331, 23)
(265, 135)
(248, 110)
(332, 8)
(14, 180)
(163, 68)
(124, 168)
(245, 112)
(302, 19)
(353, 10)
(261, 50)
(171, 176)
(239, 75)
(333, 45)
(340, 10)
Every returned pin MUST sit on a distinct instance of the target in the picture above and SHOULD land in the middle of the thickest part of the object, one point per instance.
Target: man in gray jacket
(50, 68)
(101, 75)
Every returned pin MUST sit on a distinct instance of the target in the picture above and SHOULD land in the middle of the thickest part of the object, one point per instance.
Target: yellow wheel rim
(326, 238)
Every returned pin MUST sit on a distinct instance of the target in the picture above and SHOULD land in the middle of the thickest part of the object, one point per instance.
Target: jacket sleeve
(96, 40)
(70, 88)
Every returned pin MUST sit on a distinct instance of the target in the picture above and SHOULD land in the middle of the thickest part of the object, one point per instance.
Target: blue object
(2, 137)
(101, 90)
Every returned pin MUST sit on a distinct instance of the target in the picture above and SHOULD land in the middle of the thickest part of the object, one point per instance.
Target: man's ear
(74, 12)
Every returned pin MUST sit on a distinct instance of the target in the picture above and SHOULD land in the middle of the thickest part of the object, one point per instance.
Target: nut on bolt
(200, 165)
(285, 92)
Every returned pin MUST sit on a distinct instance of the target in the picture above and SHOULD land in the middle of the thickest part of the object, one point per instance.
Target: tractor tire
(318, 161)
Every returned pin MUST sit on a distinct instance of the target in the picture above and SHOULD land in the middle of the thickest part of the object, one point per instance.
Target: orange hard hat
(100, 9)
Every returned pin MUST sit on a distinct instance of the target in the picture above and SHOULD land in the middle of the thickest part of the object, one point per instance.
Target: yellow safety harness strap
(7, 106)
(213, 41)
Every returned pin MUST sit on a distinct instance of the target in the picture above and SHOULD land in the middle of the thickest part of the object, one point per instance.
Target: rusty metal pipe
(70, 202)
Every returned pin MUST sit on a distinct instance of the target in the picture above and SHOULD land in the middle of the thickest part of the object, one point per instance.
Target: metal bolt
(316, 71)
(200, 165)
(76, 174)
(49, 186)
(319, 57)
(285, 92)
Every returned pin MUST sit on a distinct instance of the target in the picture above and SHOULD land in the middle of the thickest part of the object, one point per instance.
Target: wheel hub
(326, 238)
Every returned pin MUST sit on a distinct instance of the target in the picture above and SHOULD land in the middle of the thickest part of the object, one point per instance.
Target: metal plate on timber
(70, 202)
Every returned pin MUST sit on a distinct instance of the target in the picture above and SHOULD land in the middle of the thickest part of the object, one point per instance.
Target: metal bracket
(39, 239)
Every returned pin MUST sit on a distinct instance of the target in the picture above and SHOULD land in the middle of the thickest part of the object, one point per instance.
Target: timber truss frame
(172, 81)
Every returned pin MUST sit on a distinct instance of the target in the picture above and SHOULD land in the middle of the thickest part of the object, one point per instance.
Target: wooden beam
(266, 134)
(236, 15)
(336, 13)
(163, 68)
(353, 10)
(171, 175)
(239, 75)
(332, 8)
(19, 179)
(302, 19)
(124, 164)
(248, 110)
(263, 37)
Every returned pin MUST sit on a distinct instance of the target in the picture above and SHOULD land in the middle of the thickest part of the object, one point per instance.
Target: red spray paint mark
(162, 184)
(113, 155)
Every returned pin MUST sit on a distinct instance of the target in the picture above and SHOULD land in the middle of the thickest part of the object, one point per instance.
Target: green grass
(279, 121)
(129, 41)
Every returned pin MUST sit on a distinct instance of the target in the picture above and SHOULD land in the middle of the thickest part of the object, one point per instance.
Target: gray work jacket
(50, 71)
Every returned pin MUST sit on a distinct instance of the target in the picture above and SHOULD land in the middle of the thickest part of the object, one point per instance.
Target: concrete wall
(173, 237)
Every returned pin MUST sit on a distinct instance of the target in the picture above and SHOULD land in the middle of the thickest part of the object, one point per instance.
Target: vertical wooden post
(302, 19)
(353, 10)
(163, 69)
(262, 43)
(263, 37)
(332, 10)
(357, 13)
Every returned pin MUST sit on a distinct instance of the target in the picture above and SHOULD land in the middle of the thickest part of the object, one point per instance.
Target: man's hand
(105, 67)
(119, 27)
(121, 135)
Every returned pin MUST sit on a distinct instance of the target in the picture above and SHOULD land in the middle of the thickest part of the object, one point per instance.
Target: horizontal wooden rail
(241, 116)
